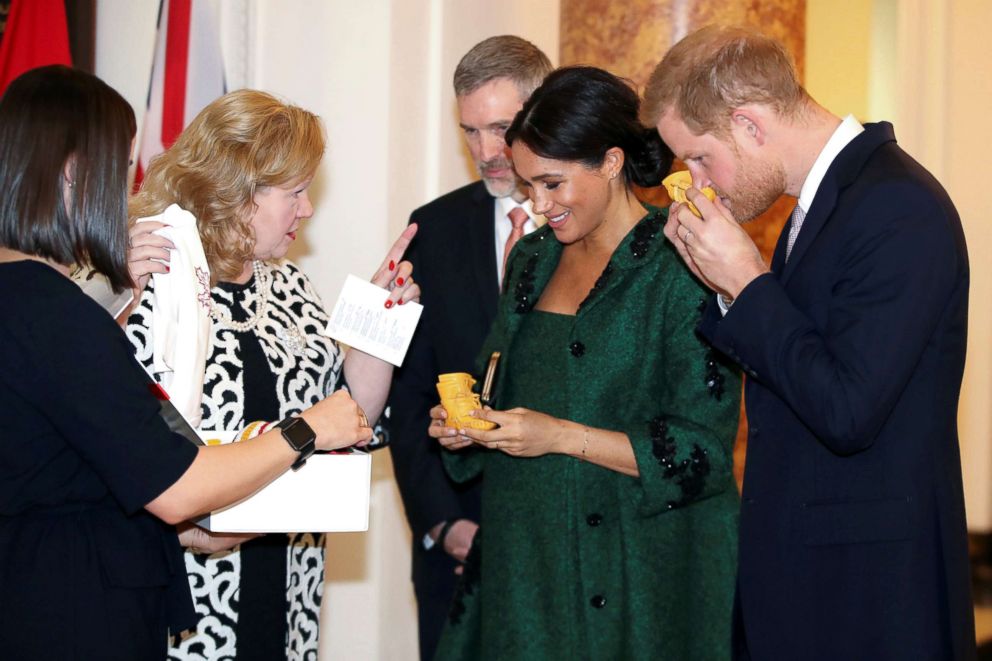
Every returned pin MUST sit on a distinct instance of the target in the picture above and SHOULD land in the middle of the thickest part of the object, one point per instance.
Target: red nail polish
(168, 270)
(399, 281)
(392, 265)
(389, 304)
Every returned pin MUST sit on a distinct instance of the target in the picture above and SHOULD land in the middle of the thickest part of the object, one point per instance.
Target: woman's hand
(200, 540)
(367, 376)
(146, 252)
(338, 422)
(525, 433)
(447, 436)
(396, 275)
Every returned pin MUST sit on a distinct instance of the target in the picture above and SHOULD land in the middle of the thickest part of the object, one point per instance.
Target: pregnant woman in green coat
(609, 506)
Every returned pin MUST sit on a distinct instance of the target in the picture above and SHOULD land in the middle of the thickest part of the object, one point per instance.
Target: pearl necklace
(262, 283)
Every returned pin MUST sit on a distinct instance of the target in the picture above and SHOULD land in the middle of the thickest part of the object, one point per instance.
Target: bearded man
(852, 531)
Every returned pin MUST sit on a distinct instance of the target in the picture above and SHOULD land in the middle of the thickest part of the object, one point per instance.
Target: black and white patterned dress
(260, 600)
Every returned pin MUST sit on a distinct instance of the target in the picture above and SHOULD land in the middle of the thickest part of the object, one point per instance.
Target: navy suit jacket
(454, 260)
(852, 535)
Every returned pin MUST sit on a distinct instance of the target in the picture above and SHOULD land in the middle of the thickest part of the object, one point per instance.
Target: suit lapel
(841, 173)
(778, 257)
(482, 250)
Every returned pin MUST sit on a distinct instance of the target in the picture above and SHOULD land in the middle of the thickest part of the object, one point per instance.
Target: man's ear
(749, 123)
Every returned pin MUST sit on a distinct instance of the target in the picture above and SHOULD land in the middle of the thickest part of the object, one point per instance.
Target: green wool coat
(575, 561)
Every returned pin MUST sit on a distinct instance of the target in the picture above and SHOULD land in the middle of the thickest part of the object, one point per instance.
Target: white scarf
(181, 314)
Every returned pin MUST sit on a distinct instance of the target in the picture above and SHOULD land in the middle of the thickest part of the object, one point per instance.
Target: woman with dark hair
(91, 479)
(609, 506)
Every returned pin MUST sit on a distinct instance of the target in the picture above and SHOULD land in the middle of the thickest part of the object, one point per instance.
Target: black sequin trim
(714, 377)
(690, 474)
(644, 235)
(600, 283)
(469, 582)
(523, 291)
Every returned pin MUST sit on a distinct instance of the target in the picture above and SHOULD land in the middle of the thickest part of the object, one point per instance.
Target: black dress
(85, 571)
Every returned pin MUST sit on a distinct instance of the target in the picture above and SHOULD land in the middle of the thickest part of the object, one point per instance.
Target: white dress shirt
(847, 130)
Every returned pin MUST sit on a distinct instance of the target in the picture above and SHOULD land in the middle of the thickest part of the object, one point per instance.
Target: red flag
(36, 35)
(187, 74)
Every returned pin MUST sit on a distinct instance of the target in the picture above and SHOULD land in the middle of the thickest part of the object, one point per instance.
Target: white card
(361, 320)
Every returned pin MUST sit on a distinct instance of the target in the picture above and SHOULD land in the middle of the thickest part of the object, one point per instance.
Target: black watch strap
(445, 529)
(300, 436)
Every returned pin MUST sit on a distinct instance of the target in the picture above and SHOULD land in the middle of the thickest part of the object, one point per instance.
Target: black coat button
(594, 519)
(599, 601)
(577, 349)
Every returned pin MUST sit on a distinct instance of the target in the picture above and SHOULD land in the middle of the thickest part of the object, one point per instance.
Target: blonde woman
(243, 168)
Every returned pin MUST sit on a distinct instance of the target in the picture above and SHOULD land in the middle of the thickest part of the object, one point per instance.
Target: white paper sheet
(328, 494)
(360, 320)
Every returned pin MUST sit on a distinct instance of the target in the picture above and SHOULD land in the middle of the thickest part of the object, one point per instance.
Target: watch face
(299, 434)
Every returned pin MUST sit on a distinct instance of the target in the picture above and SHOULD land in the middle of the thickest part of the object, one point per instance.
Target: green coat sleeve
(684, 443)
(467, 463)
(464, 465)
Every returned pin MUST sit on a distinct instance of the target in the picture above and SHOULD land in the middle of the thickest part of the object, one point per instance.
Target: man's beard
(758, 185)
(502, 186)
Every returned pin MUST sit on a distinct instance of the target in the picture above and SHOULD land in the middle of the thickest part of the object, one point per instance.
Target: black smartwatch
(300, 437)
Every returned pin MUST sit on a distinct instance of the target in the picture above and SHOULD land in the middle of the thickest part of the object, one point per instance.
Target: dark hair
(55, 120)
(579, 113)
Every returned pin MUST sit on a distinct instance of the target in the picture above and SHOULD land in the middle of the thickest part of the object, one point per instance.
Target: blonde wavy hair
(243, 141)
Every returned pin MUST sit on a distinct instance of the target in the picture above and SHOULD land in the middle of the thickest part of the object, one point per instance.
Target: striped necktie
(796, 223)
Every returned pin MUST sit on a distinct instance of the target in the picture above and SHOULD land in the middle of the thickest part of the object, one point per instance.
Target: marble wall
(629, 38)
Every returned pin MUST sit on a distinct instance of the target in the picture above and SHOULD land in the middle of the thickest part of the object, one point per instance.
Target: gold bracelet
(585, 444)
